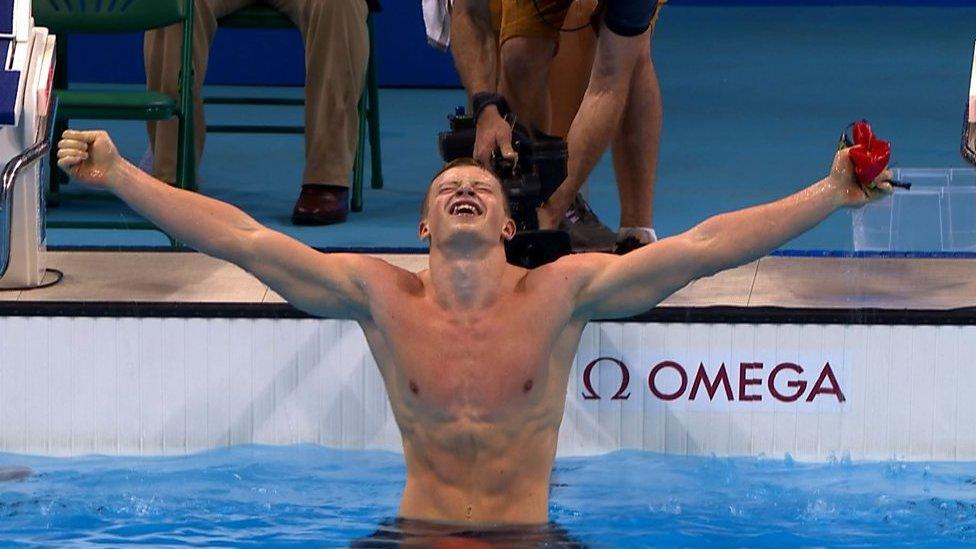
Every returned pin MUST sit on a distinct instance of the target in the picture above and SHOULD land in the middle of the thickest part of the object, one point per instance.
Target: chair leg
(359, 163)
(186, 173)
(186, 168)
(373, 115)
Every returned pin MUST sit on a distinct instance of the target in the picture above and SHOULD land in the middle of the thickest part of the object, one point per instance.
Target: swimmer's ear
(423, 231)
(508, 231)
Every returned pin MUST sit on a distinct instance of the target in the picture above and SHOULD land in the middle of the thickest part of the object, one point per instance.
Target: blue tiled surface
(754, 101)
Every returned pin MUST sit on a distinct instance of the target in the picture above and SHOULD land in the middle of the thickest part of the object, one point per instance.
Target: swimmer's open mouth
(465, 208)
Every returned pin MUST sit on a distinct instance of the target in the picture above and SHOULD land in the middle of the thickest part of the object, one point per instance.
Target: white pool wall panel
(164, 386)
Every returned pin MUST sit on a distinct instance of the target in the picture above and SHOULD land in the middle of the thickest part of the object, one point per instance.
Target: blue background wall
(277, 58)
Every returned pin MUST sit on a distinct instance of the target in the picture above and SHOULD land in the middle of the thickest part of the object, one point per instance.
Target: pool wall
(155, 386)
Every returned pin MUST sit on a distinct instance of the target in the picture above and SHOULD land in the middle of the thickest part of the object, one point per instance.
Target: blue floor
(755, 98)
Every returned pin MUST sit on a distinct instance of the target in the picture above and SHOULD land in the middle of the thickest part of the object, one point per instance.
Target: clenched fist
(89, 157)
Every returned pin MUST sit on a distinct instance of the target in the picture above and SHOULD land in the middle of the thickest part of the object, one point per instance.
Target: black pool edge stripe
(169, 249)
(393, 250)
(672, 315)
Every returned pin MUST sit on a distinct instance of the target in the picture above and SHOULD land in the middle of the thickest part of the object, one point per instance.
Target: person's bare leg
(599, 116)
(524, 78)
(569, 74)
(635, 147)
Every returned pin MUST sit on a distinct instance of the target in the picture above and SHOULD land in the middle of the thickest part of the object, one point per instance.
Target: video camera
(527, 182)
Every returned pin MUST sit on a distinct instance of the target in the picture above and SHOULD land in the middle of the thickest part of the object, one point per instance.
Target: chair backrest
(102, 16)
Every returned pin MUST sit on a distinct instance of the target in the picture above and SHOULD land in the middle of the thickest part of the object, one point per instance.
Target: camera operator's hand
(493, 132)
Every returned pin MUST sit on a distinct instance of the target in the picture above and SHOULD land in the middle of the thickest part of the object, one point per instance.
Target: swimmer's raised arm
(322, 284)
(631, 284)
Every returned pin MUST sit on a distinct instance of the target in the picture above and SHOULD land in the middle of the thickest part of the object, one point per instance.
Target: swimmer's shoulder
(379, 273)
(573, 267)
(565, 276)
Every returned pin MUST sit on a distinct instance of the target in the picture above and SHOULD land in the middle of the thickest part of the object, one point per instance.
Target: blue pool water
(309, 495)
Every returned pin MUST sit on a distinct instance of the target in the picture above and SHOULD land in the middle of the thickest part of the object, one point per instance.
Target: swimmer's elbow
(704, 250)
(242, 242)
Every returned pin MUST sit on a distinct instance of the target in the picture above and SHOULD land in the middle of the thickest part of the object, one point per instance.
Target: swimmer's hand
(849, 192)
(493, 132)
(89, 157)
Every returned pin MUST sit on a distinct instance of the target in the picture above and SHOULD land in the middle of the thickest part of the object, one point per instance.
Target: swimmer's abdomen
(484, 473)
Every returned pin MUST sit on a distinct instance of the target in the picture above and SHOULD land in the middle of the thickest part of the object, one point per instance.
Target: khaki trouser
(336, 52)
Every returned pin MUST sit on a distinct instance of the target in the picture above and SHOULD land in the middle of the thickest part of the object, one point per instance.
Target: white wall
(72, 386)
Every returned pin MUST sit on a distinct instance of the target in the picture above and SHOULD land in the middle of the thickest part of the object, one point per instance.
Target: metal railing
(8, 179)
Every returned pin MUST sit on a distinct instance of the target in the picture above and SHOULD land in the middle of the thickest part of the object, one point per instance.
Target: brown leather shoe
(321, 205)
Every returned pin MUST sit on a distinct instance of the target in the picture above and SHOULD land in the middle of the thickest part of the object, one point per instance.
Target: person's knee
(617, 61)
(608, 77)
(526, 60)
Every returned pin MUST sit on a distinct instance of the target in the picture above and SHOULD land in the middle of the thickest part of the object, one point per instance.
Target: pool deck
(159, 283)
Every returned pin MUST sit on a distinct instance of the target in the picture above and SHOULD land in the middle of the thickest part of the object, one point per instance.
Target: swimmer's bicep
(324, 284)
(634, 283)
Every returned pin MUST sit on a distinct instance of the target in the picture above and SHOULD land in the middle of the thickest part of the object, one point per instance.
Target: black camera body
(527, 182)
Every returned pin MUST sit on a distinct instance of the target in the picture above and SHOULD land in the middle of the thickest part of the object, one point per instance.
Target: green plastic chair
(265, 17)
(65, 17)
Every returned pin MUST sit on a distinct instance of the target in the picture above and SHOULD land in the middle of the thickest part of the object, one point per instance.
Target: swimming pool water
(310, 495)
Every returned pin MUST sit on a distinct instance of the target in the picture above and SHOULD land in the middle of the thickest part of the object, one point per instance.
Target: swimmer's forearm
(207, 225)
(473, 45)
(736, 238)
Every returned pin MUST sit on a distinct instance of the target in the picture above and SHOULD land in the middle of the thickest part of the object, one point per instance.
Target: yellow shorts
(536, 18)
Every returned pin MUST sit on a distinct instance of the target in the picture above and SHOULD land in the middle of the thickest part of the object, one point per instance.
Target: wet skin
(478, 395)
(475, 353)
(476, 363)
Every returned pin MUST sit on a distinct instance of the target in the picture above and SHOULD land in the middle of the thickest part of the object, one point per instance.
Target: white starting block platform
(151, 353)
(25, 102)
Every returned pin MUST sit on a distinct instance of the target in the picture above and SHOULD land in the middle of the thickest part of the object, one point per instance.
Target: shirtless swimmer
(475, 353)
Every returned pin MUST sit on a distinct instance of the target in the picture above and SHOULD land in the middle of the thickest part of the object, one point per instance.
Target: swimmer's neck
(467, 279)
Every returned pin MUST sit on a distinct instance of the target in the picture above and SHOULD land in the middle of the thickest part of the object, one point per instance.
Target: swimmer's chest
(480, 361)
